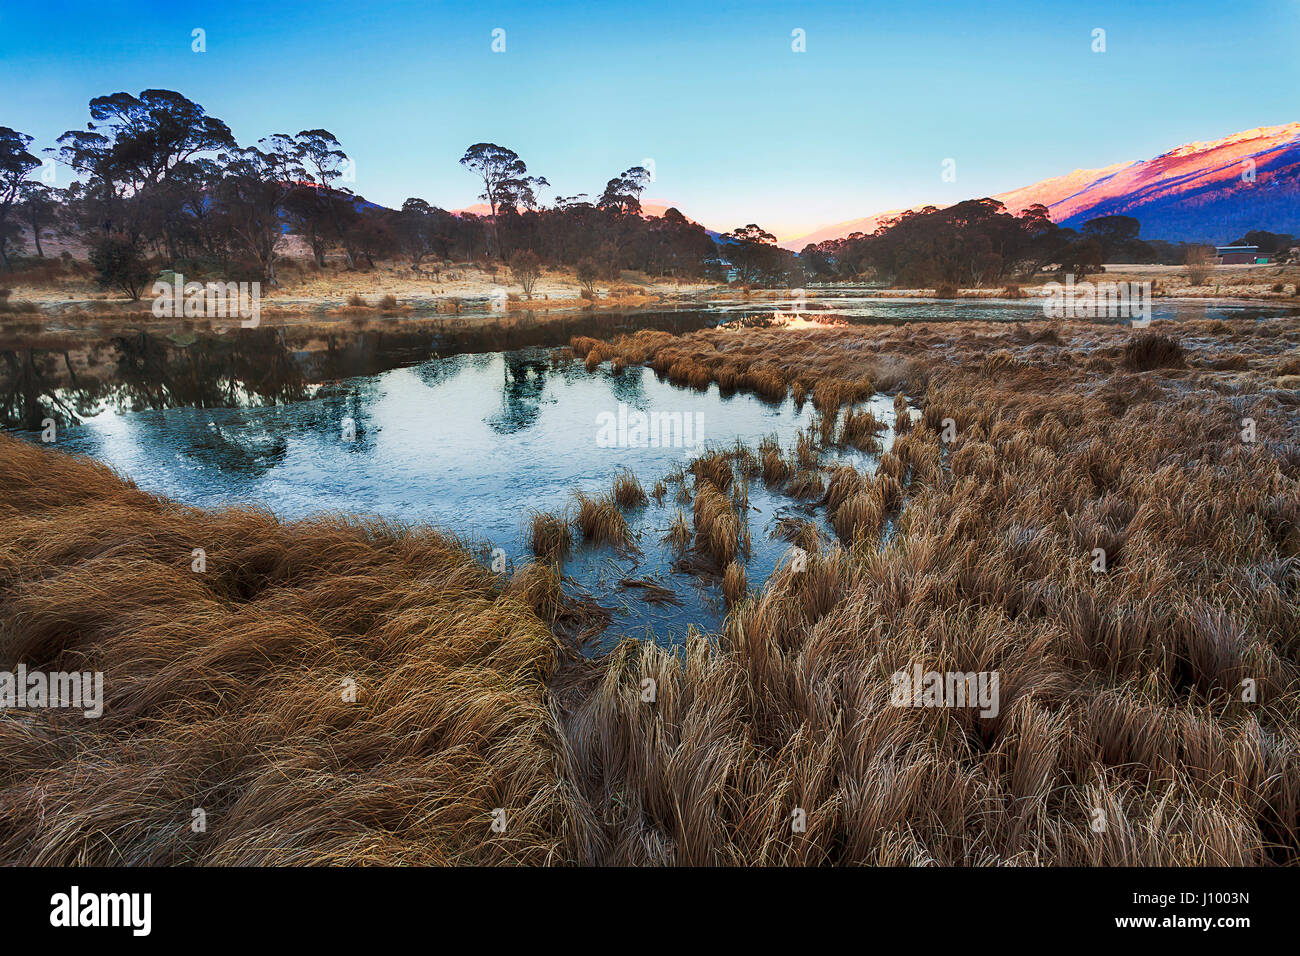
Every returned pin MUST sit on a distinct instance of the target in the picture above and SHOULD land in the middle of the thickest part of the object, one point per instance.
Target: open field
(1149, 709)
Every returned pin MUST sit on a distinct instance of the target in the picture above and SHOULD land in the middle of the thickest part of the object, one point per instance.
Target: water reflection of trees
(628, 385)
(233, 446)
(437, 371)
(30, 392)
(269, 366)
(251, 443)
(251, 367)
(524, 382)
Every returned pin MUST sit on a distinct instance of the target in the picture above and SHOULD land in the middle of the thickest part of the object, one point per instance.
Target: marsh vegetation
(1158, 693)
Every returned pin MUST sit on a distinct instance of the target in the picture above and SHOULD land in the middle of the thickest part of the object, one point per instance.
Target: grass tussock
(857, 517)
(806, 484)
(599, 521)
(734, 584)
(1121, 693)
(717, 528)
(679, 534)
(902, 415)
(628, 492)
(713, 468)
(860, 429)
(1152, 350)
(776, 468)
(549, 536)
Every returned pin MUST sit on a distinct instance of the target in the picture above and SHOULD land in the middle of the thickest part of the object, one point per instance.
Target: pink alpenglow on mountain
(1211, 192)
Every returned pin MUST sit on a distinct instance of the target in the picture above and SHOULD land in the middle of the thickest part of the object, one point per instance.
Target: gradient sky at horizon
(740, 128)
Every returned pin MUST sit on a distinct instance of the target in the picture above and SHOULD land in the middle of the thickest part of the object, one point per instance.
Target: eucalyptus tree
(622, 194)
(506, 183)
(327, 166)
(252, 197)
(132, 150)
(15, 165)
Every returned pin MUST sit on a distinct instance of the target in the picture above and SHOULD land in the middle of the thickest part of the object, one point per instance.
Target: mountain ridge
(1211, 191)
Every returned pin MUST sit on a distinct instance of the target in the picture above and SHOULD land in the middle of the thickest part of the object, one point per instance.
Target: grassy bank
(227, 690)
(1149, 708)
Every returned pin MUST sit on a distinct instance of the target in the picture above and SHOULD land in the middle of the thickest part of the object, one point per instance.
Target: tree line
(976, 243)
(160, 183)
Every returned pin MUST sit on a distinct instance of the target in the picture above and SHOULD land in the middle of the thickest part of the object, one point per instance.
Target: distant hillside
(1200, 191)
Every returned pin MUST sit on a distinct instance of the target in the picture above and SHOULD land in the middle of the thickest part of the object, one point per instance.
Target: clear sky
(739, 126)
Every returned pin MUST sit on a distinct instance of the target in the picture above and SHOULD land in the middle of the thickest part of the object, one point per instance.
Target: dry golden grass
(860, 429)
(775, 467)
(717, 528)
(734, 584)
(805, 484)
(679, 533)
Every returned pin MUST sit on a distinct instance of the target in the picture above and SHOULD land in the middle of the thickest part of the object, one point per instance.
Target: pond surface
(473, 444)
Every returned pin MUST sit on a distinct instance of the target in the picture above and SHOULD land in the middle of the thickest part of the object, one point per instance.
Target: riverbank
(66, 293)
(1106, 519)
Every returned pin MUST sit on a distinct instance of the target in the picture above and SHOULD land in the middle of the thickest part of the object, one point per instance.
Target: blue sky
(740, 128)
